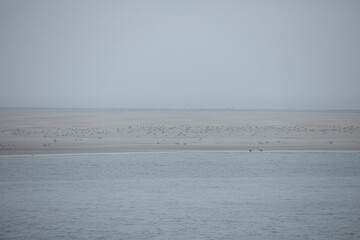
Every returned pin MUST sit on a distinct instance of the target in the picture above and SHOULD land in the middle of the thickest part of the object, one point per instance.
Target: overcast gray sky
(180, 54)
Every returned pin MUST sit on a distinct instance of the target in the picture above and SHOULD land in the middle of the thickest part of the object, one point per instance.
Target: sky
(180, 54)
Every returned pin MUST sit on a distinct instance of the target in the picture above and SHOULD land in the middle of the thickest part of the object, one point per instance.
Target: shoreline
(54, 131)
(167, 150)
(255, 151)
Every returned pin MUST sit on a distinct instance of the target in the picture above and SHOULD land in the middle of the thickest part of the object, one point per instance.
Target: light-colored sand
(37, 131)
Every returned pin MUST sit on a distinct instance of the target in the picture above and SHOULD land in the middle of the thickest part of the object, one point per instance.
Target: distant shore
(56, 131)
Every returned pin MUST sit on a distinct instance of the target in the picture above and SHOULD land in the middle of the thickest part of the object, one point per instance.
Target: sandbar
(57, 131)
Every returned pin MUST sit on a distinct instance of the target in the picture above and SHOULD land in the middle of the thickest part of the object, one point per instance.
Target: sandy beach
(46, 131)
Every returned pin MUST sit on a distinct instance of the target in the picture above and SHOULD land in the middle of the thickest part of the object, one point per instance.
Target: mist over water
(170, 54)
(181, 195)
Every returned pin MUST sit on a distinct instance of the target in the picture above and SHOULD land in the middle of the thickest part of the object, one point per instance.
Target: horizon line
(187, 109)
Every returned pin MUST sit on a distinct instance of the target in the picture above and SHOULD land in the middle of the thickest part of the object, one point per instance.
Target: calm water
(181, 195)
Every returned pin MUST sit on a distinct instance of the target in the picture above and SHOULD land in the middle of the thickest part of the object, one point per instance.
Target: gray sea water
(181, 195)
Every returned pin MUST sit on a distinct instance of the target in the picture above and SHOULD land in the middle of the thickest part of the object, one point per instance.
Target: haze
(180, 54)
